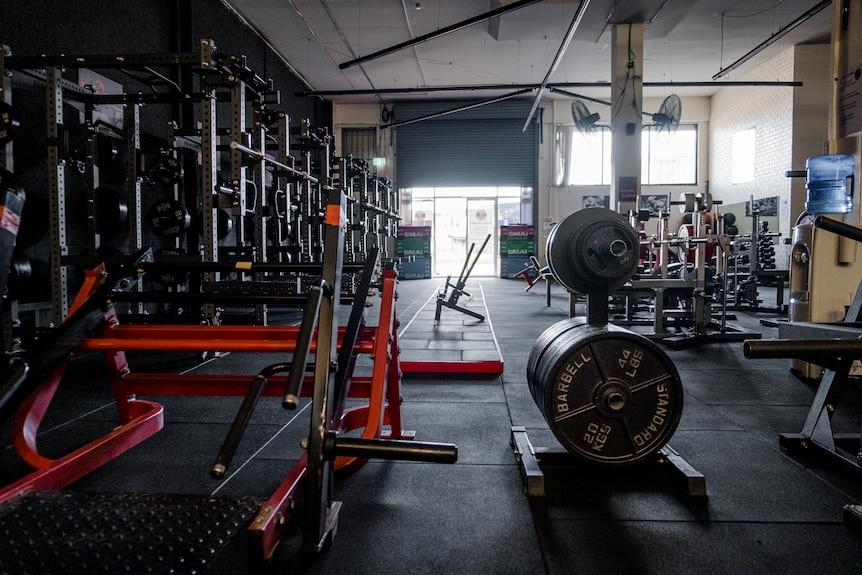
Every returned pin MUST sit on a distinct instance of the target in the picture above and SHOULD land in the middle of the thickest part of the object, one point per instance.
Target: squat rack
(327, 452)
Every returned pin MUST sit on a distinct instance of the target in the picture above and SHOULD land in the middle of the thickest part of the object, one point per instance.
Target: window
(665, 160)
(589, 157)
(669, 159)
(743, 156)
(361, 143)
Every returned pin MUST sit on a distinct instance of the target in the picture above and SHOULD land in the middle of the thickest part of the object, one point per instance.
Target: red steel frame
(140, 419)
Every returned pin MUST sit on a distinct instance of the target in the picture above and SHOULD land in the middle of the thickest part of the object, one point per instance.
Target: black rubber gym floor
(767, 511)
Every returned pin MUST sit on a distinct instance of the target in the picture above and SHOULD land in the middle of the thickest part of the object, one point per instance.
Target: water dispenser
(826, 184)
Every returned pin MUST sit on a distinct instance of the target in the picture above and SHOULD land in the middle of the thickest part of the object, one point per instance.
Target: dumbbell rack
(761, 268)
(326, 452)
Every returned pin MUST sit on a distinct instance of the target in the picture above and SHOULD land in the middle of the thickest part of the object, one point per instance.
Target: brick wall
(790, 125)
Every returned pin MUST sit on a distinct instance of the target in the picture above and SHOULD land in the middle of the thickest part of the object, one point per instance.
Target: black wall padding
(477, 147)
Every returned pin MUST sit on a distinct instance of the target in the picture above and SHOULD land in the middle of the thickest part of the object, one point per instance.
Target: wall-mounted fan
(667, 118)
(585, 122)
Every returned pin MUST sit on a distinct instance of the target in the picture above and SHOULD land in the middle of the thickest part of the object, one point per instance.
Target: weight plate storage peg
(611, 397)
(593, 250)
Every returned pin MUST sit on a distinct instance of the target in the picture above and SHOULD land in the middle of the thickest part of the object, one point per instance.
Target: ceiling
(684, 41)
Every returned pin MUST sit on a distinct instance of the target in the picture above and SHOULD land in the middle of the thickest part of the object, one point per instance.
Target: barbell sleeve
(825, 352)
(840, 228)
(396, 449)
(303, 345)
(231, 442)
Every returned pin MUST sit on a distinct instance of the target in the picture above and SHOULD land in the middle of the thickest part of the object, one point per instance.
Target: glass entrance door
(459, 223)
(482, 223)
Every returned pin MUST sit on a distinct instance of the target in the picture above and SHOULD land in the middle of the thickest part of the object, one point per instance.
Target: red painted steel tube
(266, 528)
(148, 419)
(205, 338)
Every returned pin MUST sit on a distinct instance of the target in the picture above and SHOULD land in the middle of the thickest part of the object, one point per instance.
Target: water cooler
(825, 270)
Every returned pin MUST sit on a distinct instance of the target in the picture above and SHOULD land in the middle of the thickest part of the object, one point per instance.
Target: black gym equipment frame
(836, 347)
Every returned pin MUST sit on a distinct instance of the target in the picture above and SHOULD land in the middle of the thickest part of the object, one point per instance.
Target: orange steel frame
(140, 419)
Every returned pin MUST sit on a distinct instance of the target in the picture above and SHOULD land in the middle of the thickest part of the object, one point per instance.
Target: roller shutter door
(483, 146)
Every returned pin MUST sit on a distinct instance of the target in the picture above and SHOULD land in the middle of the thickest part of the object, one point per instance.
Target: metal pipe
(441, 32)
(236, 299)
(241, 266)
(237, 429)
(458, 109)
(557, 59)
(259, 155)
(825, 352)
(303, 345)
(840, 228)
(551, 86)
(772, 39)
(397, 449)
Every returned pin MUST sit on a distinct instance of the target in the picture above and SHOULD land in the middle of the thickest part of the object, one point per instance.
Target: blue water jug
(827, 184)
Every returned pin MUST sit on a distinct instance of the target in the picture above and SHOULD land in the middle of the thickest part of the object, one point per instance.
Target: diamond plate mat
(51, 532)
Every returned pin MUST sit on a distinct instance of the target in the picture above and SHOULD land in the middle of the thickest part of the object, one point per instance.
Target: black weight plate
(608, 253)
(593, 250)
(9, 184)
(112, 211)
(540, 347)
(20, 275)
(223, 223)
(168, 218)
(167, 170)
(611, 397)
(8, 123)
(169, 278)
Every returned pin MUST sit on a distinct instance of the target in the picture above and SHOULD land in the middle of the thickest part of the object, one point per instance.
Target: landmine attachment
(837, 355)
(451, 300)
(611, 397)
